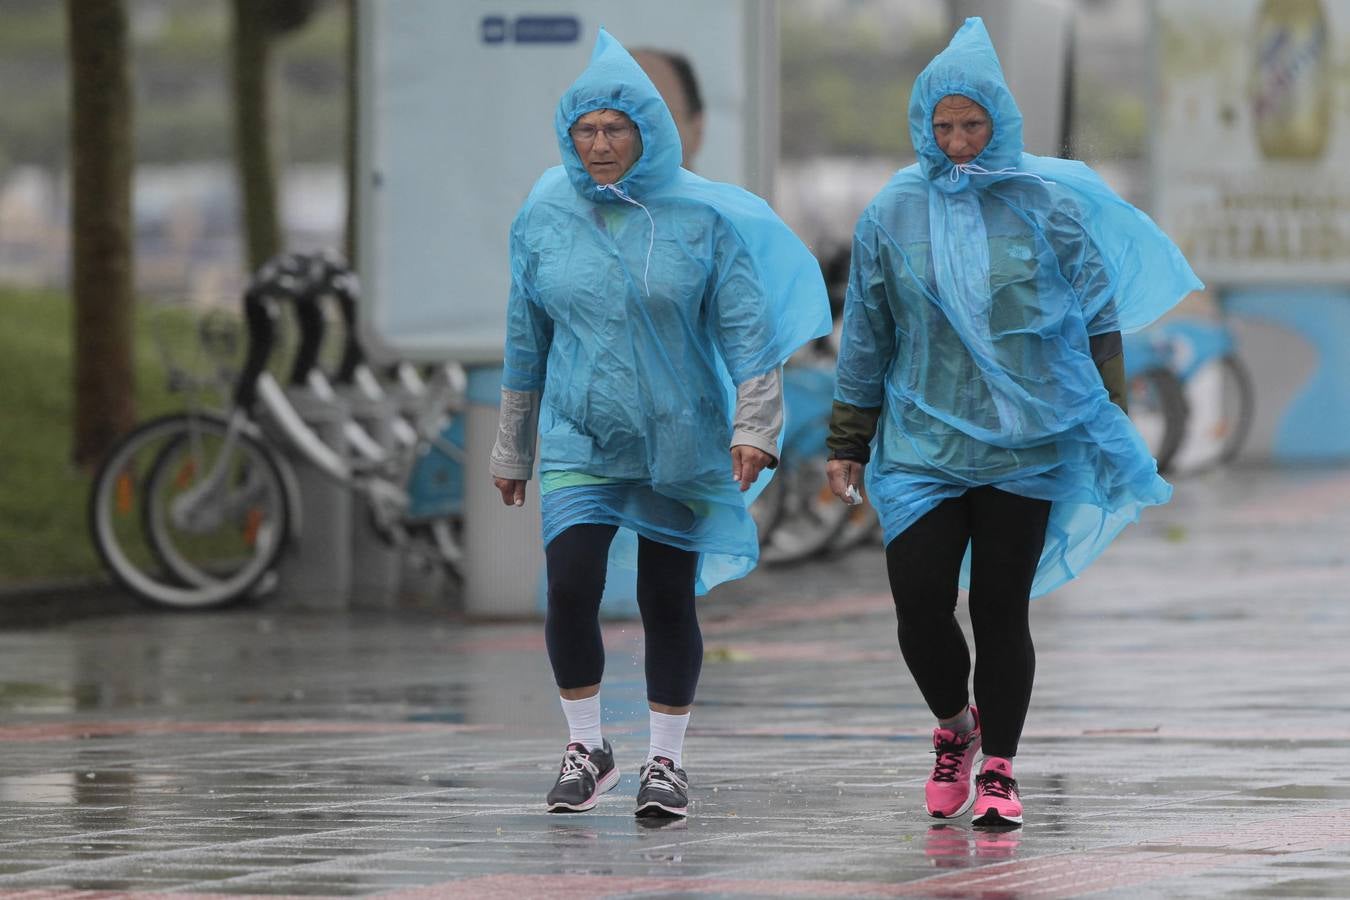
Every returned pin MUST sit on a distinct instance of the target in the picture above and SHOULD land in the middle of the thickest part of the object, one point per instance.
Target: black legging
(1006, 533)
(665, 594)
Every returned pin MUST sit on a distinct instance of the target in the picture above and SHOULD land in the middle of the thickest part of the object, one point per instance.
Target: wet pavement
(1188, 737)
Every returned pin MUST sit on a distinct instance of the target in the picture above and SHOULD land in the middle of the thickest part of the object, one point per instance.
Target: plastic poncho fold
(636, 309)
(973, 292)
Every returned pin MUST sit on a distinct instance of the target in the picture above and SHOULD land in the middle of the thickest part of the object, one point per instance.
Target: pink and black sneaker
(949, 791)
(996, 800)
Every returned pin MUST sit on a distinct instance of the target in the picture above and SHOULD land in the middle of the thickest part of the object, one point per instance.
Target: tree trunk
(100, 225)
(252, 130)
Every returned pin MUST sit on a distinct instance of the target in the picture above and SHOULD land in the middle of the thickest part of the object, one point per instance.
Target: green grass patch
(43, 532)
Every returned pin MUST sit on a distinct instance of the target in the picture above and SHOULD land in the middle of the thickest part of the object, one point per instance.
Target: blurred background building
(846, 66)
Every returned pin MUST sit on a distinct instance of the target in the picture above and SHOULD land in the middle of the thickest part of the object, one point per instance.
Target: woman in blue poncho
(650, 313)
(981, 385)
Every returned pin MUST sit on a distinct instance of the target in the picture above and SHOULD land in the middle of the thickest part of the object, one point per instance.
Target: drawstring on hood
(651, 241)
(973, 169)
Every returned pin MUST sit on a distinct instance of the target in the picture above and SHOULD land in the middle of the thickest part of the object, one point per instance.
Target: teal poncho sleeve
(973, 292)
(636, 309)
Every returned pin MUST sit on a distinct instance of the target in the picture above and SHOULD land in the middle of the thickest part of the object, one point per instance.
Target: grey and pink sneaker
(996, 800)
(663, 790)
(949, 791)
(582, 778)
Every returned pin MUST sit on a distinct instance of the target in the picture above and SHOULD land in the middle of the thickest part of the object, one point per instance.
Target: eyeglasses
(613, 132)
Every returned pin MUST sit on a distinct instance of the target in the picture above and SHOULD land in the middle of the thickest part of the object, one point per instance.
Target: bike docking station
(315, 574)
(316, 571)
(316, 494)
(377, 560)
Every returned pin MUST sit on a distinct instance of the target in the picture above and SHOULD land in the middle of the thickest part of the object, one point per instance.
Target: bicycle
(800, 518)
(1155, 398)
(1219, 392)
(195, 509)
(797, 515)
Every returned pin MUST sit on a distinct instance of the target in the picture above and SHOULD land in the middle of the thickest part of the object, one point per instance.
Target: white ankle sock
(960, 724)
(583, 721)
(667, 735)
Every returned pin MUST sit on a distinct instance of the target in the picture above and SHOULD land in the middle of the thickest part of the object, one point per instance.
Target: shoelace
(657, 774)
(949, 755)
(574, 764)
(996, 785)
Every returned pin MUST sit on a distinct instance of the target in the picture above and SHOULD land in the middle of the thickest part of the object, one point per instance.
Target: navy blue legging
(665, 593)
(1006, 533)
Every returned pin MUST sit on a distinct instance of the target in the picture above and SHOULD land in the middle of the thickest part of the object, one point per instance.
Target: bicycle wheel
(1157, 403)
(767, 508)
(203, 524)
(1239, 405)
(439, 543)
(812, 515)
(187, 512)
(861, 526)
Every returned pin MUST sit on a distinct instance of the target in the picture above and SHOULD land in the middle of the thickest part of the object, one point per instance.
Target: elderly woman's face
(607, 142)
(961, 127)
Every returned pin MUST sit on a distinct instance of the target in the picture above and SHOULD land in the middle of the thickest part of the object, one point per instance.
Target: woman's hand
(844, 473)
(513, 490)
(746, 464)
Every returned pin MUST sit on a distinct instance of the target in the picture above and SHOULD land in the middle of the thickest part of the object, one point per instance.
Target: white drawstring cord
(959, 169)
(651, 243)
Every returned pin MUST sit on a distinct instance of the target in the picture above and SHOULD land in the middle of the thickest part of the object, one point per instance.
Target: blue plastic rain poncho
(973, 292)
(637, 309)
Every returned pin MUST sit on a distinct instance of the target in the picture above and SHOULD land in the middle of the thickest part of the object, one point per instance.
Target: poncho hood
(614, 80)
(969, 67)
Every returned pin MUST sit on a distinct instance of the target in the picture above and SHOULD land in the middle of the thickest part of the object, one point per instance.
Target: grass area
(43, 534)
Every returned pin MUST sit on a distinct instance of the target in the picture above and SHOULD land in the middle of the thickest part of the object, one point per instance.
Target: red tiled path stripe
(44, 894)
(825, 609)
(80, 730)
(830, 608)
(1061, 875)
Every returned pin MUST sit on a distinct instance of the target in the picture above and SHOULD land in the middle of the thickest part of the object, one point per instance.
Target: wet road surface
(1188, 737)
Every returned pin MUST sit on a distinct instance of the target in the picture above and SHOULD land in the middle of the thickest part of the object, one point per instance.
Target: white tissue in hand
(851, 496)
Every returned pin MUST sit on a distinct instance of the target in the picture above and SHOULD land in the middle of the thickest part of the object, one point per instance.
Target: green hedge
(43, 535)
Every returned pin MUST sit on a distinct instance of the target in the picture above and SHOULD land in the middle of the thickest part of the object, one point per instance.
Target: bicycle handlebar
(260, 319)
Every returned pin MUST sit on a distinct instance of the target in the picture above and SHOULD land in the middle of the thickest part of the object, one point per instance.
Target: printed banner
(1251, 152)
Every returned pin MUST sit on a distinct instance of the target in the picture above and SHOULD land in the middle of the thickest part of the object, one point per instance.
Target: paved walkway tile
(1188, 737)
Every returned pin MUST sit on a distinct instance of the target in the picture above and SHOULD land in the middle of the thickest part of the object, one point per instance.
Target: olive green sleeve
(1109, 355)
(1113, 376)
(851, 431)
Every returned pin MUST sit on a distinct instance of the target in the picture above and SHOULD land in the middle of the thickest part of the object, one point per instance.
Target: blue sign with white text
(530, 29)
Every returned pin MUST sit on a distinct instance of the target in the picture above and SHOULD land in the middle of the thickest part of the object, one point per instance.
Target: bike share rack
(374, 425)
(316, 571)
(367, 576)
(310, 495)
